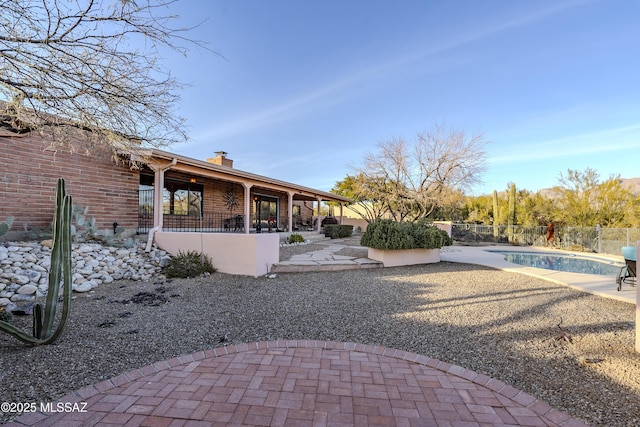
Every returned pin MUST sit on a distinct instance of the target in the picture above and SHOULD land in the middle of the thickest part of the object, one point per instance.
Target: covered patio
(208, 206)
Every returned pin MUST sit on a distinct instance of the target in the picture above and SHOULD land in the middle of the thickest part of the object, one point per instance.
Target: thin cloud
(604, 141)
(300, 105)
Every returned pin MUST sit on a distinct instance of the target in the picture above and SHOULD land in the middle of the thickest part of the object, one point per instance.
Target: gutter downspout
(157, 204)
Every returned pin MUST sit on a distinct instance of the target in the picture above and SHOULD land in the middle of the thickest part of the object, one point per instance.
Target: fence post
(637, 306)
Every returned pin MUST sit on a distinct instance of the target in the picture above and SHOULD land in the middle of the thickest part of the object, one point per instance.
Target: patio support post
(319, 221)
(158, 187)
(290, 212)
(247, 206)
(341, 213)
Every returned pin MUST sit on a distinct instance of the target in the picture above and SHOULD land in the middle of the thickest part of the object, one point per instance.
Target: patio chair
(628, 272)
(238, 223)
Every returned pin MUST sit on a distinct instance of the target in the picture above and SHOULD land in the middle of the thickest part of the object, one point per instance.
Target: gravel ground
(570, 349)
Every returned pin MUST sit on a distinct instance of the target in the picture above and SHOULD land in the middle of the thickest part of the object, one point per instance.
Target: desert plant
(6, 225)
(188, 264)
(6, 316)
(83, 227)
(388, 234)
(44, 318)
(338, 231)
(295, 238)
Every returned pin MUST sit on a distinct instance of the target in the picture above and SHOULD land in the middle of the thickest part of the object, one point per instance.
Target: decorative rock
(22, 298)
(27, 290)
(4, 302)
(27, 263)
(122, 253)
(85, 248)
(30, 258)
(20, 279)
(84, 287)
(31, 275)
(22, 310)
(47, 243)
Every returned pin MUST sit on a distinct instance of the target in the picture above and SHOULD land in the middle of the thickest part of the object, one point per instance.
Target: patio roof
(211, 170)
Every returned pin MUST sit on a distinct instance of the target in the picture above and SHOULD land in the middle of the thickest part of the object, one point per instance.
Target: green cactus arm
(61, 269)
(55, 273)
(37, 321)
(18, 333)
(66, 271)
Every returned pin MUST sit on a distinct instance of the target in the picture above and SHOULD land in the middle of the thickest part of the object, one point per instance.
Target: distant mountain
(632, 184)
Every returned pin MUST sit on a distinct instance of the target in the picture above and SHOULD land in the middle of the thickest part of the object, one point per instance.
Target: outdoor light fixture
(192, 180)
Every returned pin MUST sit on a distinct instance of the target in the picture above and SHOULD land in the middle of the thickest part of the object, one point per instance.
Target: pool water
(567, 263)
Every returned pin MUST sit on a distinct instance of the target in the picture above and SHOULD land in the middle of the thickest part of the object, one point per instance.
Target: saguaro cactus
(44, 318)
(495, 215)
(512, 210)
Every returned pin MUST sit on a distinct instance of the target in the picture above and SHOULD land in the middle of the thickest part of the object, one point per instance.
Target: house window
(181, 198)
(296, 210)
(178, 197)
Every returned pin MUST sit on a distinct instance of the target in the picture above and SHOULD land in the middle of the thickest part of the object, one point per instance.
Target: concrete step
(327, 265)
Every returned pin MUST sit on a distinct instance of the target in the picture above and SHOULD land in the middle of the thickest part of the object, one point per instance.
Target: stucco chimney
(221, 159)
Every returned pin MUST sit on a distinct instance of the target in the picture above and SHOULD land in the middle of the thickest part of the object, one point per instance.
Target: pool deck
(604, 286)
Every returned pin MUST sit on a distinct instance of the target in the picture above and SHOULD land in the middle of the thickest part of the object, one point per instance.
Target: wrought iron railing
(208, 223)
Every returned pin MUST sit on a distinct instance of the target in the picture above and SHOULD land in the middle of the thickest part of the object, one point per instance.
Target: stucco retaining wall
(398, 257)
(231, 253)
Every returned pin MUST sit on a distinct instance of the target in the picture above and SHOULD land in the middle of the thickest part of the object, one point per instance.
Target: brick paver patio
(301, 383)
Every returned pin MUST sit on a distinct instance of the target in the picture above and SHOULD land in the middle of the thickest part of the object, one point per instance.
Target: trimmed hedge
(388, 234)
(338, 231)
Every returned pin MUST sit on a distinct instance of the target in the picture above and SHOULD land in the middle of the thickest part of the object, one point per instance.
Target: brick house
(151, 192)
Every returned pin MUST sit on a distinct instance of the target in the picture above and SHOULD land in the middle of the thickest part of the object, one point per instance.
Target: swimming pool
(568, 263)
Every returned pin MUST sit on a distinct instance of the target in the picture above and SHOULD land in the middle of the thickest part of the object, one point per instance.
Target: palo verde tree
(585, 201)
(91, 66)
(413, 179)
(366, 195)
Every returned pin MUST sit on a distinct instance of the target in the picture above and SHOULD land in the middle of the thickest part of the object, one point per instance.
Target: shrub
(388, 234)
(188, 264)
(6, 316)
(338, 231)
(295, 238)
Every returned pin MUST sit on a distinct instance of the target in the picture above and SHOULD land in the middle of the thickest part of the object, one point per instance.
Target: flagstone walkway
(326, 259)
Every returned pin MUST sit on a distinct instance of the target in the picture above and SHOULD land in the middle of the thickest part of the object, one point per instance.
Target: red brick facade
(31, 167)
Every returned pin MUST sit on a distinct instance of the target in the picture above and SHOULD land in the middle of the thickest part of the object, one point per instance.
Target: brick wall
(30, 167)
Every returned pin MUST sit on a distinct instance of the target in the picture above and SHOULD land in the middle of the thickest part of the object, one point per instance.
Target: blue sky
(307, 88)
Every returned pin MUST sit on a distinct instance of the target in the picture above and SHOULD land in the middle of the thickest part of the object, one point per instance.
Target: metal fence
(587, 239)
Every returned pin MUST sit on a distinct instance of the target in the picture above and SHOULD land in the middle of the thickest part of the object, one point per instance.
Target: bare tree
(427, 174)
(91, 66)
